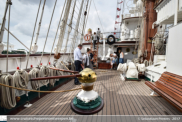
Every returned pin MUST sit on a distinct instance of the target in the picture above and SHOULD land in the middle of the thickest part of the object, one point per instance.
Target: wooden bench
(169, 86)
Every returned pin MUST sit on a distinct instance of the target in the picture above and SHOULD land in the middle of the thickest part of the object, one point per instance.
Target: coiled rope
(34, 73)
(7, 95)
(52, 73)
(44, 72)
(21, 79)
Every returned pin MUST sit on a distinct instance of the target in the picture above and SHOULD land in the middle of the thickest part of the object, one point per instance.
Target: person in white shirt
(113, 59)
(95, 38)
(87, 61)
(98, 33)
(78, 61)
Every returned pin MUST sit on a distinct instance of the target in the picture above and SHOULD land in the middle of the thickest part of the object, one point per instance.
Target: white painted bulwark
(14, 62)
(166, 11)
(174, 51)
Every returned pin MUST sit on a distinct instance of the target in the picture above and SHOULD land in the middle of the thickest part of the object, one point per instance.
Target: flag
(117, 16)
(120, 2)
(118, 9)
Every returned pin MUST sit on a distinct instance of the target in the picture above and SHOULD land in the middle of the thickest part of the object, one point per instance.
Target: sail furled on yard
(63, 26)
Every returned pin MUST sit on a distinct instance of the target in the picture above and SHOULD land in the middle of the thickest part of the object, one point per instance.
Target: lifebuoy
(111, 39)
(87, 37)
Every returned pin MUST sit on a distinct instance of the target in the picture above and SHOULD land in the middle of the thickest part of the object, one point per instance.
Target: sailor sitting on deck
(113, 59)
(87, 60)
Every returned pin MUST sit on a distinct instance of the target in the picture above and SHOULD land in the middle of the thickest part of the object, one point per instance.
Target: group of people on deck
(117, 58)
(81, 62)
(86, 61)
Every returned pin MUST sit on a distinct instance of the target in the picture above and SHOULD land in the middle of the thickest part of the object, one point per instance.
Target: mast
(63, 27)
(8, 2)
(85, 14)
(70, 27)
(76, 29)
(149, 19)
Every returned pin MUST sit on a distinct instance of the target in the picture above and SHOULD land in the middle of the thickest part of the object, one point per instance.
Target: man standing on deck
(78, 61)
(98, 33)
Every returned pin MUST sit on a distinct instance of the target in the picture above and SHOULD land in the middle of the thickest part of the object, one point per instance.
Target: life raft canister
(87, 37)
(111, 39)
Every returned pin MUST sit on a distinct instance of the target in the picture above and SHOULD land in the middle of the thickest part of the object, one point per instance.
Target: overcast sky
(23, 15)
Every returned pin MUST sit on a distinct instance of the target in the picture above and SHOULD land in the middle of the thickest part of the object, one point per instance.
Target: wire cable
(98, 16)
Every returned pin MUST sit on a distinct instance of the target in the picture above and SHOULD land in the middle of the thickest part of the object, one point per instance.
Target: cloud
(48, 3)
(23, 15)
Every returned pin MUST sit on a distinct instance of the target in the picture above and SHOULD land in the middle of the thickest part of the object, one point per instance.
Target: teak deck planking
(120, 98)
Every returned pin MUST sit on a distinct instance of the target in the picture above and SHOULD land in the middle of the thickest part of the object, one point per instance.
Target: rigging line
(56, 32)
(70, 26)
(33, 33)
(48, 31)
(87, 15)
(84, 19)
(98, 16)
(40, 22)
(3, 21)
(8, 36)
(15, 37)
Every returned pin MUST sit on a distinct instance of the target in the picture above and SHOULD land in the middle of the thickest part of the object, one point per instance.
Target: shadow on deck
(120, 98)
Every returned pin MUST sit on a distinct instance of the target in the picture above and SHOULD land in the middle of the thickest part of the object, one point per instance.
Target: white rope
(33, 34)
(48, 31)
(21, 79)
(83, 28)
(8, 36)
(59, 66)
(34, 73)
(16, 37)
(56, 32)
(38, 30)
(98, 17)
(7, 95)
(63, 27)
(44, 72)
(70, 27)
(4, 21)
(76, 30)
(52, 73)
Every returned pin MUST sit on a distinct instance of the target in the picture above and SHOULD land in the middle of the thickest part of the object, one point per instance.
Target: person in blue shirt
(78, 61)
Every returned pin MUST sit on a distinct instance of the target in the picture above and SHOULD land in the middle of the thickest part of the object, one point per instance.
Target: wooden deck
(121, 98)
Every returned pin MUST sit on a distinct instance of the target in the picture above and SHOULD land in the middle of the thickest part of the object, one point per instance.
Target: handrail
(55, 77)
(64, 70)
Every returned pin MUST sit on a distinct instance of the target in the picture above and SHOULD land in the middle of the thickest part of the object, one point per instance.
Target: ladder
(95, 53)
